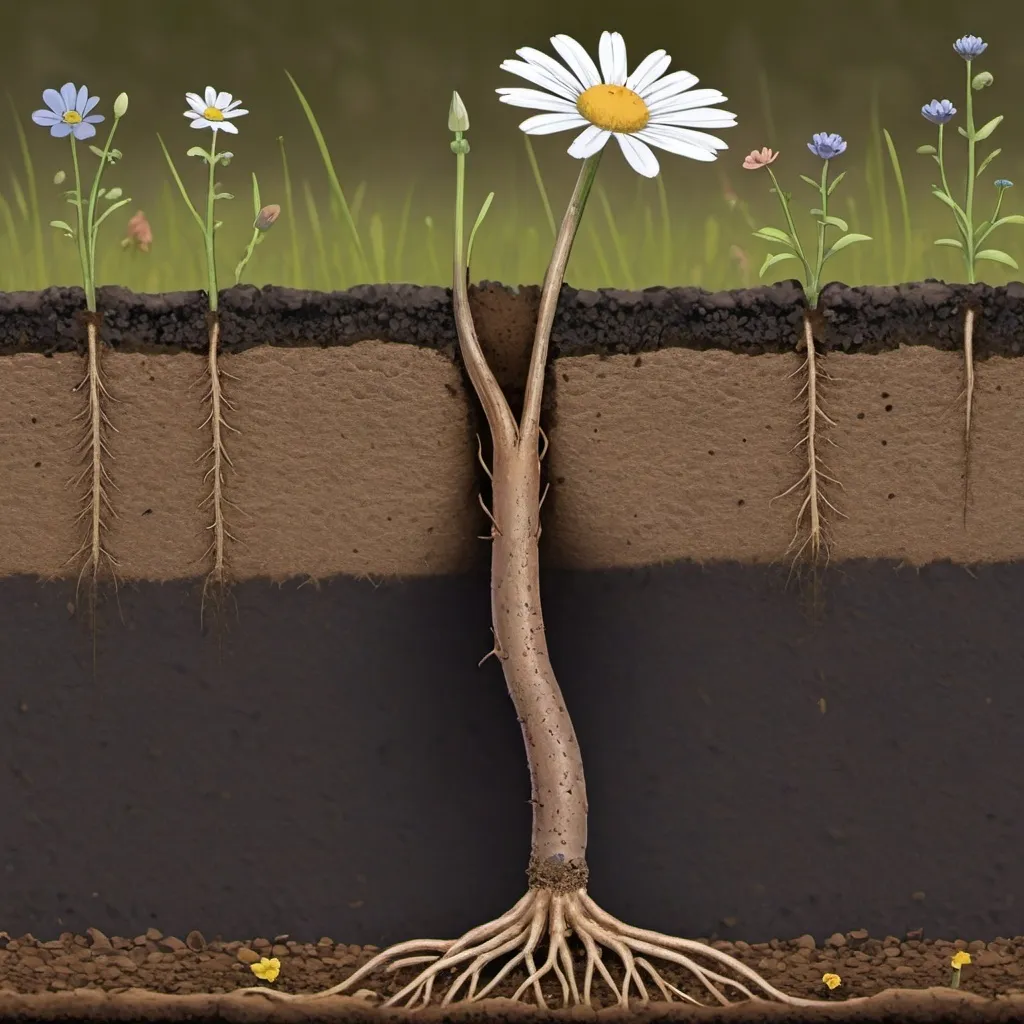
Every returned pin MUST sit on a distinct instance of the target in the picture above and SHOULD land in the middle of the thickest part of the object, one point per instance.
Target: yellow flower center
(614, 108)
(213, 114)
(71, 117)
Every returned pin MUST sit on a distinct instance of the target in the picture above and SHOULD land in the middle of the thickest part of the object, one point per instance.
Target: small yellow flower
(960, 959)
(266, 969)
(832, 980)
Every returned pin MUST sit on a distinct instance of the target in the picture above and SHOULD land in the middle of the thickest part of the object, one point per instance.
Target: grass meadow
(651, 237)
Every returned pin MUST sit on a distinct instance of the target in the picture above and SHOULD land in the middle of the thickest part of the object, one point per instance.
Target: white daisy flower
(641, 110)
(212, 110)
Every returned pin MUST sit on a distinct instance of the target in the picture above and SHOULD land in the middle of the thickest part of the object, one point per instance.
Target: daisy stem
(211, 259)
(530, 424)
(90, 293)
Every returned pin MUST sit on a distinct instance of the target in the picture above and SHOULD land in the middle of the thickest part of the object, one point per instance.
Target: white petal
(192, 113)
(234, 113)
(577, 58)
(232, 105)
(535, 99)
(201, 122)
(227, 126)
(685, 101)
(651, 67)
(537, 75)
(702, 118)
(210, 95)
(681, 142)
(670, 85)
(223, 99)
(638, 156)
(619, 53)
(548, 124)
(589, 142)
(195, 102)
(562, 81)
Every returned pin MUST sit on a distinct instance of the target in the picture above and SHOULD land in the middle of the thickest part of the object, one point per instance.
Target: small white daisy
(212, 110)
(641, 110)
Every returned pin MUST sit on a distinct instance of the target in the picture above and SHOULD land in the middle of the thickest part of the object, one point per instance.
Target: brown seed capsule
(266, 217)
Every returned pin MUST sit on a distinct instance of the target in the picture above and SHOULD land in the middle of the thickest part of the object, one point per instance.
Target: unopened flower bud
(458, 117)
(982, 80)
(266, 217)
(58, 178)
(121, 105)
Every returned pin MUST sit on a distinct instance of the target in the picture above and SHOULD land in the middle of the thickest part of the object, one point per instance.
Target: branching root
(217, 457)
(95, 501)
(813, 514)
(517, 935)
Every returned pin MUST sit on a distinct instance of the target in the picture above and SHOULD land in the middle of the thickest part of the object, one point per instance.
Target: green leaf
(785, 195)
(1013, 218)
(986, 130)
(218, 225)
(256, 204)
(997, 256)
(223, 195)
(181, 187)
(817, 212)
(953, 243)
(198, 151)
(774, 235)
(842, 243)
(832, 187)
(926, 150)
(479, 220)
(810, 181)
(63, 225)
(836, 222)
(960, 216)
(987, 161)
(962, 132)
(114, 193)
(772, 260)
(107, 212)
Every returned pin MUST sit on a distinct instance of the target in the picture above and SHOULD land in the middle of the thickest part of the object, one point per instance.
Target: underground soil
(33, 974)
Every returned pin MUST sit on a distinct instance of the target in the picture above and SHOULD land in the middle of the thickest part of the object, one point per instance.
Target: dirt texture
(673, 417)
(33, 973)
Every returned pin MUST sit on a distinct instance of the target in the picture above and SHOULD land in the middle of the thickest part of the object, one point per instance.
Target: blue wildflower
(970, 47)
(827, 145)
(68, 112)
(1003, 183)
(939, 111)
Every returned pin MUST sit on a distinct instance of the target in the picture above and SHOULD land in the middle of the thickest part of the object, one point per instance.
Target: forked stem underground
(556, 902)
(218, 456)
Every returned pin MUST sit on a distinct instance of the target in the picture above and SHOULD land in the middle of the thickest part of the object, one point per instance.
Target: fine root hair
(217, 459)
(813, 518)
(517, 938)
(94, 479)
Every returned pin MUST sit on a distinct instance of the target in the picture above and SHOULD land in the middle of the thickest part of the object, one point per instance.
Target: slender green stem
(789, 221)
(815, 283)
(93, 197)
(83, 256)
(969, 205)
(211, 256)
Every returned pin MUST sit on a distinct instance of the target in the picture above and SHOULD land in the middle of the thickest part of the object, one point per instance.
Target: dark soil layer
(752, 321)
(166, 964)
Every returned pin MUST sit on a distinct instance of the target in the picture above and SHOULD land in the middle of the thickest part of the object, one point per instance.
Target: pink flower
(140, 234)
(758, 158)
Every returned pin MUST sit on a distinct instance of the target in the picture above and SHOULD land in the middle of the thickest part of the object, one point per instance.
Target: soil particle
(155, 963)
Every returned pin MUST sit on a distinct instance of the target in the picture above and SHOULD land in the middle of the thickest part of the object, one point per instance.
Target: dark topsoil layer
(751, 321)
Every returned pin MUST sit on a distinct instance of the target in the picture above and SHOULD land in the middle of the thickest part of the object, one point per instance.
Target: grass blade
(666, 233)
(432, 250)
(766, 109)
(329, 165)
(602, 261)
(907, 237)
(616, 237)
(377, 246)
(403, 228)
(318, 235)
(42, 272)
(880, 201)
(298, 279)
(535, 167)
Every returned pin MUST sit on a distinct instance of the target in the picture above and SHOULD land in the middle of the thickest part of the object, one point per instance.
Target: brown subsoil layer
(33, 973)
(673, 416)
